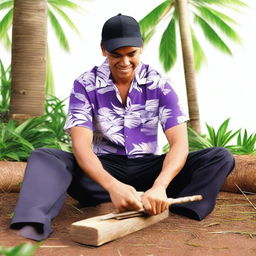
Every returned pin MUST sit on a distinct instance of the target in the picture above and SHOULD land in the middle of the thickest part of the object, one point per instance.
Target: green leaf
(49, 89)
(6, 5)
(199, 56)
(211, 35)
(66, 18)
(212, 17)
(6, 23)
(25, 249)
(23, 141)
(65, 3)
(148, 36)
(221, 132)
(29, 124)
(13, 156)
(197, 141)
(148, 23)
(6, 41)
(221, 15)
(167, 50)
(212, 135)
(58, 31)
(228, 3)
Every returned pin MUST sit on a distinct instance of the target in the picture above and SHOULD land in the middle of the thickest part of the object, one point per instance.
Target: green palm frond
(214, 18)
(54, 6)
(49, 87)
(65, 3)
(6, 41)
(167, 50)
(147, 36)
(149, 22)
(58, 31)
(199, 56)
(66, 18)
(6, 5)
(6, 23)
(227, 3)
(219, 14)
(212, 35)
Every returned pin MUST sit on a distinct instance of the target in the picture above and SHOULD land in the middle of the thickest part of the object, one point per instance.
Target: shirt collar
(103, 75)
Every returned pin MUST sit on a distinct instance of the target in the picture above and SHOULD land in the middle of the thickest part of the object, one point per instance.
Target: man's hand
(125, 197)
(155, 200)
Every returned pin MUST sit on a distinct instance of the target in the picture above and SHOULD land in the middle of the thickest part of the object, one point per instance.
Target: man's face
(123, 61)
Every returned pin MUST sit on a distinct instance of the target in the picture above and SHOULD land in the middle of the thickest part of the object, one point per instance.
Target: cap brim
(113, 44)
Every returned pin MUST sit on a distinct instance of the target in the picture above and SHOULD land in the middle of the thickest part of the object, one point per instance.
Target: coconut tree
(56, 11)
(210, 17)
(28, 58)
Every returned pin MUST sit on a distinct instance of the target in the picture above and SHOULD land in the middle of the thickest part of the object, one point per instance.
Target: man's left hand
(155, 201)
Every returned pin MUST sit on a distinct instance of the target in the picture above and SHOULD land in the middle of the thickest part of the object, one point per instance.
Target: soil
(230, 230)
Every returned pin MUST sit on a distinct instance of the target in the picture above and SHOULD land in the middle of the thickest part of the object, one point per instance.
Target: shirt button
(126, 136)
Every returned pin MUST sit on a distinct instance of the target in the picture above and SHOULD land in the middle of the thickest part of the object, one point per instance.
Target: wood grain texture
(96, 231)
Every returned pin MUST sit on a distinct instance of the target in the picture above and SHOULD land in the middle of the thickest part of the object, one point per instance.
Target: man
(113, 118)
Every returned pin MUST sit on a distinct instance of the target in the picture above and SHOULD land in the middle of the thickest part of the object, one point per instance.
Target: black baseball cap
(120, 31)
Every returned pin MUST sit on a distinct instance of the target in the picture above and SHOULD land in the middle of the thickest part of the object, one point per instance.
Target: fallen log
(244, 175)
(11, 175)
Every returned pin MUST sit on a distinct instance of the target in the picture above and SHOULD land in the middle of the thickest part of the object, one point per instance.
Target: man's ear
(104, 52)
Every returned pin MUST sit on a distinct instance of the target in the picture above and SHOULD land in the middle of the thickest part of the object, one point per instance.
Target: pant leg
(50, 173)
(87, 191)
(47, 177)
(204, 173)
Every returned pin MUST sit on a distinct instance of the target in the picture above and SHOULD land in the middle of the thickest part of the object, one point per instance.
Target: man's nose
(125, 61)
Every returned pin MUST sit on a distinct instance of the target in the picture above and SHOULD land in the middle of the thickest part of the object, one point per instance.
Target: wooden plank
(102, 229)
(97, 231)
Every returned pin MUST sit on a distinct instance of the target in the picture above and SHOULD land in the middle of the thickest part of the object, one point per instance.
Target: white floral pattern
(164, 114)
(129, 129)
(143, 148)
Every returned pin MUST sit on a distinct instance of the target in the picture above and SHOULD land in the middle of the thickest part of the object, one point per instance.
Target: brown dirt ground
(174, 236)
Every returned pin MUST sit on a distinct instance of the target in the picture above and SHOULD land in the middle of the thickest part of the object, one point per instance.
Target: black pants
(51, 173)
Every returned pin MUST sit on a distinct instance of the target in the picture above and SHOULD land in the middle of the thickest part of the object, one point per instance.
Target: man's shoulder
(97, 77)
(88, 77)
(150, 76)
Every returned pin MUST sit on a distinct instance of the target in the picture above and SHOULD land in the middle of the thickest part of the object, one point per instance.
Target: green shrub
(18, 141)
(25, 249)
(221, 137)
(246, 144)
(5, 90)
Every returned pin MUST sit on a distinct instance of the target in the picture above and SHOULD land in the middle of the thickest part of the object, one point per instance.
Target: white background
(226, 85)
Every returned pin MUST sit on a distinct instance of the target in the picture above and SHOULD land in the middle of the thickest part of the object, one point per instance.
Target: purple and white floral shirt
(130, 129)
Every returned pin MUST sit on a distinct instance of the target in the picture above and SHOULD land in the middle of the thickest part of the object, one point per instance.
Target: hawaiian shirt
(131, 129)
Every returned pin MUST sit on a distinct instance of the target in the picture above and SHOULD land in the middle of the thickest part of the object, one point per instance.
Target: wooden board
(97, 231)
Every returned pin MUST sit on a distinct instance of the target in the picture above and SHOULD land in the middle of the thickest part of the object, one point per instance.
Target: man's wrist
(159, 185)
(111, 183)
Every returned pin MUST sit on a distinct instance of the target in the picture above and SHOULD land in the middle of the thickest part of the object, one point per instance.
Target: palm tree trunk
(28, 65)
(188, 62)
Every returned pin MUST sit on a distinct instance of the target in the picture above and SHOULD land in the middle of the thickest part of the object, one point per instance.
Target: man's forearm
(173, 163)
(91, 165)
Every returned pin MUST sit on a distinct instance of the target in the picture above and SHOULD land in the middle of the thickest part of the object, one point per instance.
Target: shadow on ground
(230, 230)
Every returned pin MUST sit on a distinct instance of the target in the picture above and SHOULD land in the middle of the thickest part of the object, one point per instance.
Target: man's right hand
(125, 197)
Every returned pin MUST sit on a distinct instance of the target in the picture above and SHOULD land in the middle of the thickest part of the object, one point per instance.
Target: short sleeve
(170, 110)
(80, 109)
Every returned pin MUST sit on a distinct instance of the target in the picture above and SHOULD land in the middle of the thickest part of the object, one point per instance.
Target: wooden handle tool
(131, 214)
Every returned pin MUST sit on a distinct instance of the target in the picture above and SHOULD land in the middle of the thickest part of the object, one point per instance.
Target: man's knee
(42, 151)
(225, 157)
